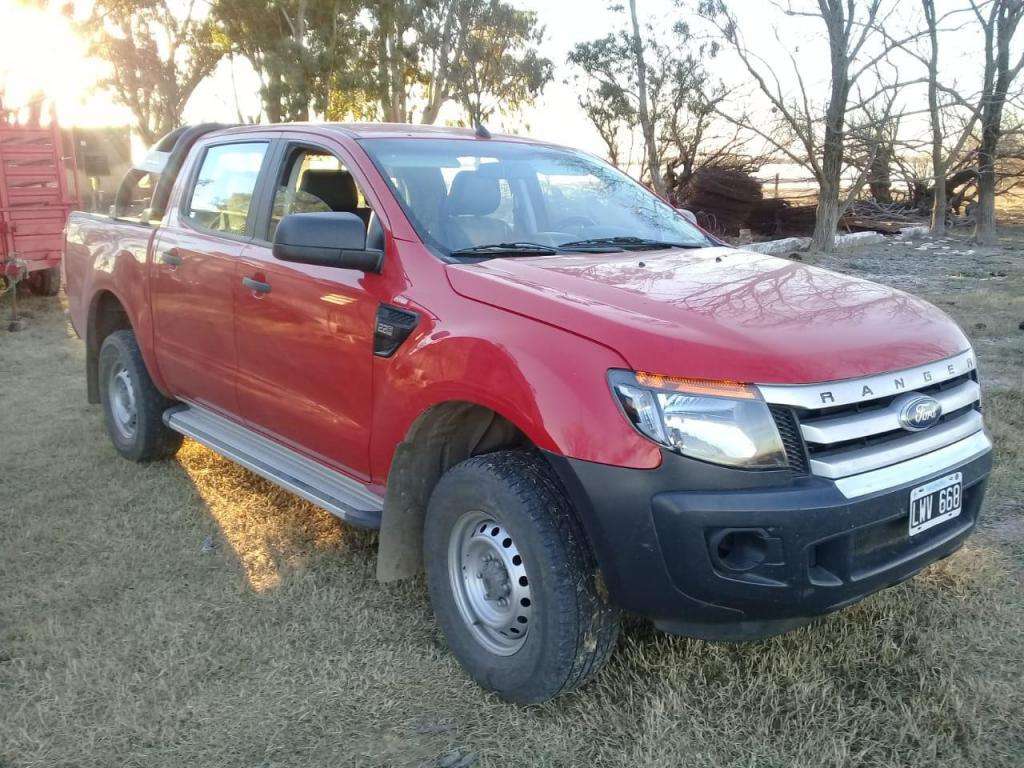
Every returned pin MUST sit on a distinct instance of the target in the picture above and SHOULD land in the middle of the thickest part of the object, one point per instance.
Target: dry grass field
(189, 614)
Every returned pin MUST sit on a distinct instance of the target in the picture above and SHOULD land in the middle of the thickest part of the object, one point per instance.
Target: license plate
(936, 502)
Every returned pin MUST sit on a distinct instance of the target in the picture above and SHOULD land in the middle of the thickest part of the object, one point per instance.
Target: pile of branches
(776, 217)
(889, 218)
(722, 198)
(780, 218)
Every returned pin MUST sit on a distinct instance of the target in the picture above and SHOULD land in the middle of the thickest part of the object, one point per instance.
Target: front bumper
(683, 558)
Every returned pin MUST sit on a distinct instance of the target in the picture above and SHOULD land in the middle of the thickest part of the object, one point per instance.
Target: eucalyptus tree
(635, 79)
(158, 52)
(418, 55)
(297, 47)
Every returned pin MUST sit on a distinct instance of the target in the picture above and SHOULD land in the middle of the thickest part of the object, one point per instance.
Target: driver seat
(471, 200)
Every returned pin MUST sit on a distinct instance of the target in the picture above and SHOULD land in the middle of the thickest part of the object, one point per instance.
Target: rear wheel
(512, 581)
(132, 405)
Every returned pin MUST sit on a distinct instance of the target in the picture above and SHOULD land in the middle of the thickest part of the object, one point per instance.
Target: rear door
(193, 273)
(304, 333)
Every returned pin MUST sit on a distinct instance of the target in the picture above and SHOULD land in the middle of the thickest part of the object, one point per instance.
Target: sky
(38, 51)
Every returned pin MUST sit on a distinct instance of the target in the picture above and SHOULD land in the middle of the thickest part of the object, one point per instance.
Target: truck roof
(383, 130)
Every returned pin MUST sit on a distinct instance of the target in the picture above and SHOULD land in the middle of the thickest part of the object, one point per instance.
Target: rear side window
(222, 195)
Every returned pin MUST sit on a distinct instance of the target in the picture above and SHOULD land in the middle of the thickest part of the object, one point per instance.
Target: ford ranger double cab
(549, 390)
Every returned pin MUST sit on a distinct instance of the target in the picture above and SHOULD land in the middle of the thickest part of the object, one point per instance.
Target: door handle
(256, 286)
(171, 257)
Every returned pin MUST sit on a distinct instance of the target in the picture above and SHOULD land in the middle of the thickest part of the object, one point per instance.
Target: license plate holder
(936, 502)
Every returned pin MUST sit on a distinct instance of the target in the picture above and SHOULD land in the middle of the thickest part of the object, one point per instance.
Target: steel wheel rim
(489, 583)
(123, 409)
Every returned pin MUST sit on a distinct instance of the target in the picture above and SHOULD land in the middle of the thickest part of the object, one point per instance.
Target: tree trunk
(646, 123)
(985, 214)
(940, 203)
(272, 98)
(938, 224)
(985, 210)
(880, 181)
(430, 113)
(826, 219)
(830, 184)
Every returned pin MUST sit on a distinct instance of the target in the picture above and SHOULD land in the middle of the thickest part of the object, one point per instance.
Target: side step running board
(337, 493)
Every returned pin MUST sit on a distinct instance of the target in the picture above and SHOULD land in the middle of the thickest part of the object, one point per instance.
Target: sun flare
(40, 53)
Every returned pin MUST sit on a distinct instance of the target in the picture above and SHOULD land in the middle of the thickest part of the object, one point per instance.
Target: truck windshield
(490, 198)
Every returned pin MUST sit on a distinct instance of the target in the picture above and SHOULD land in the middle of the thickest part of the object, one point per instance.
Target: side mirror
(329, 239)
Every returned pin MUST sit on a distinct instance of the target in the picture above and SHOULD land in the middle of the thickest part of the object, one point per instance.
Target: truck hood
(720, 313)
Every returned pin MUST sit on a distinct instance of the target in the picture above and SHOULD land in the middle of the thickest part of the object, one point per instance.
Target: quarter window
(224, 186)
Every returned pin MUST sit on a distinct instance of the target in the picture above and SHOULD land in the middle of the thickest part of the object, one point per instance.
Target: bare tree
(999, 20)
(952, 117)
(807, 133)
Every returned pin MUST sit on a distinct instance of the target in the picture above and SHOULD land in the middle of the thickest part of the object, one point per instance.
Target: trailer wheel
(132, 405)
(511, 579)
(46, 282)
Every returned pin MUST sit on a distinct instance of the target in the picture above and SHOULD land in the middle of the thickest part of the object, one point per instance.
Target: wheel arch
(443, 435)
(107, 313)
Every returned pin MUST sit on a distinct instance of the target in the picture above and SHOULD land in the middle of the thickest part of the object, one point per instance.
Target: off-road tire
(45, 282)
(152, 440)
(572, 629)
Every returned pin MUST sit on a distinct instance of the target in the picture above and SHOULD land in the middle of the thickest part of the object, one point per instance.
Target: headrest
(336, 188)
(473, 194)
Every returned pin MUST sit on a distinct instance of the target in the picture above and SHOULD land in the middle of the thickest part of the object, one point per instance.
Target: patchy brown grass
(125, 641)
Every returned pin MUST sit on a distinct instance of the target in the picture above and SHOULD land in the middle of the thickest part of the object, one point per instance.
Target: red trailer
(35, 200)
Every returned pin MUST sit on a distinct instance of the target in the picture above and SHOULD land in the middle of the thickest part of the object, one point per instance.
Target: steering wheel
(573, 221)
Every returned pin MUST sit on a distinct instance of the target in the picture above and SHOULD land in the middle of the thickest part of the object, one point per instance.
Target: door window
(224, 186)
(315, 181)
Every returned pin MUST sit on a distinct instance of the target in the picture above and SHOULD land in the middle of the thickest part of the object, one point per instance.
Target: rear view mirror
(331, 239)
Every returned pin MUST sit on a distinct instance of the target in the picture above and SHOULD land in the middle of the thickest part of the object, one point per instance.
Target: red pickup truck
(547, 388)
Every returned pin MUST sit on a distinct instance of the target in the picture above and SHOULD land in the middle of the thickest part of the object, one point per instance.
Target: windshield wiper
(628, 243)
(507, 249)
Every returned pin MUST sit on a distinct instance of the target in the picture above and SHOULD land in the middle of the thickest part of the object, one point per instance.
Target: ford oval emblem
(920, 413)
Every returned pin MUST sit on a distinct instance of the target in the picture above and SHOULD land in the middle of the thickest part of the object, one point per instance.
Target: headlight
(717, 421)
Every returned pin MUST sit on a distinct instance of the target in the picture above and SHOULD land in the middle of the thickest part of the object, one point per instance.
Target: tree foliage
(676, 98)
(500, 69)
(158, 51)
(396, 60)
(422, 54)
(295, 46)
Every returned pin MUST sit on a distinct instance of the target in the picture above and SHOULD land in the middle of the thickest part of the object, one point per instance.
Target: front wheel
(512, 581)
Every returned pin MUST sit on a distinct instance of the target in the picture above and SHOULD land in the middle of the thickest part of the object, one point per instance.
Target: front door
(304, 334)
(192, 277)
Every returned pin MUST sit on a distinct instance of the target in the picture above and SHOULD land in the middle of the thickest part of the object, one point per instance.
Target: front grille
(852, 434)
(864, 441)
